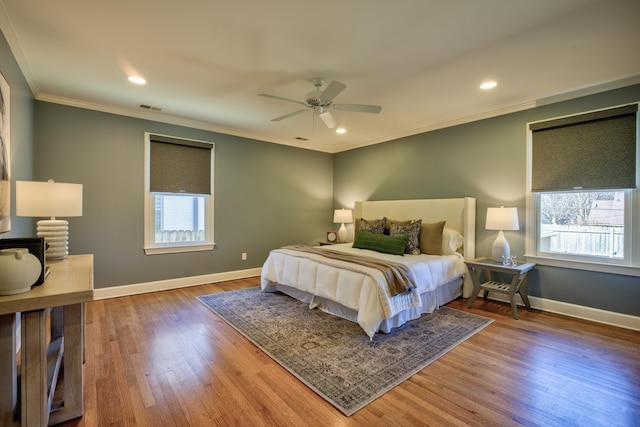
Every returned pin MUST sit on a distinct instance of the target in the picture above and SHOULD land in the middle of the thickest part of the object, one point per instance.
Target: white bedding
(360, 289)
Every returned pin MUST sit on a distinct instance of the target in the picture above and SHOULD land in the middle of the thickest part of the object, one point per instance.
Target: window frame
(150, 246)
(629, 265)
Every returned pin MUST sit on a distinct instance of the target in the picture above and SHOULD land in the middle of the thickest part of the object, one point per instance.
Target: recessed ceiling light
(488, 85)
(341, 130)
(137, 80)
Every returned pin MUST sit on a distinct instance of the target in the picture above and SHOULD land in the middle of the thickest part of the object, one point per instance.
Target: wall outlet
(244, 256)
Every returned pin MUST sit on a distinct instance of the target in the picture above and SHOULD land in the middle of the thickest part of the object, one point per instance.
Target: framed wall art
(5, 156)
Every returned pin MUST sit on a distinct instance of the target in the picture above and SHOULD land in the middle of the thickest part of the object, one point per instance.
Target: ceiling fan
(322, 101)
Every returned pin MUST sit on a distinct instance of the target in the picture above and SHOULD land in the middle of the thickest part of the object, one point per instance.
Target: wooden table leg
(522, 290)
(34, 393)
(72, 406)
(512, 297)
(476, 286)
(487, 278)
(8, 370)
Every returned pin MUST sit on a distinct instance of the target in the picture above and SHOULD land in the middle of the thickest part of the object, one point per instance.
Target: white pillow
(451, 241)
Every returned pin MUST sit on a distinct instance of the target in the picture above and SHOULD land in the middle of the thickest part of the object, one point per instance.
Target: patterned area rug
(333, 356)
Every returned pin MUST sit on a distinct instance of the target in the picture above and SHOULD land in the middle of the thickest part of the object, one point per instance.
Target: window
(585, 224)
(179, 218)
(582, 195)
(178, 205)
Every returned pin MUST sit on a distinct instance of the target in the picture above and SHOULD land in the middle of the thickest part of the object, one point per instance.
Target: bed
(359, 292)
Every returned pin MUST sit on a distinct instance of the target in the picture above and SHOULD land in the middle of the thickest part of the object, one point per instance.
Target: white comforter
(361, 289)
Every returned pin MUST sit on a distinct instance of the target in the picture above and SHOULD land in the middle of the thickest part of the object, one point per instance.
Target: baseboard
(621, 320)
(587, 313)
(165, 285)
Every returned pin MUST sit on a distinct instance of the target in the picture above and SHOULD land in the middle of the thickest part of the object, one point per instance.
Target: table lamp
(342, 216)
(50, 199)
(501, 219)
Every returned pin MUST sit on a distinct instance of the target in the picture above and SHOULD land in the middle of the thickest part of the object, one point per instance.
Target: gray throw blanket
(396, 275)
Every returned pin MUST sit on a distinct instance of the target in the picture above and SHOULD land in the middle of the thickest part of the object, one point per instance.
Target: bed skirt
(431, 301)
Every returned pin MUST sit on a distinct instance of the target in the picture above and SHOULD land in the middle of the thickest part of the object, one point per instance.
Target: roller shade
(592, 151)
(179, 166)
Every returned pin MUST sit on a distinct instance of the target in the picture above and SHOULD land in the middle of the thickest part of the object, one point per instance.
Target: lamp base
(56, 237)
(342, 234)
(500, 248)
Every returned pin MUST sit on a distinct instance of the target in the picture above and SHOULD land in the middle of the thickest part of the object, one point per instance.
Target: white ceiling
(206, 61)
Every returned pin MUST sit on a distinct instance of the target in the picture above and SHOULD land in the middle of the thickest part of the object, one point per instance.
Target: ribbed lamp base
(56, 237)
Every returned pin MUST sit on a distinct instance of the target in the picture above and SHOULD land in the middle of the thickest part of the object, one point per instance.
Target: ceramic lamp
(501, 219)
(343, 216)
(50, 199)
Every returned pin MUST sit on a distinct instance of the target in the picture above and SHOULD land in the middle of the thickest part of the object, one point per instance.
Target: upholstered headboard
(459, 214)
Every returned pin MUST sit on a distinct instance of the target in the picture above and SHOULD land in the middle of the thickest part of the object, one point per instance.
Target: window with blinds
(583, 180)
(178, 194)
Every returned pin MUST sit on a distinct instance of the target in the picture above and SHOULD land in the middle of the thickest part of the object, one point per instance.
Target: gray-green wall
(269, 195)
(266, 195)
(486, 160)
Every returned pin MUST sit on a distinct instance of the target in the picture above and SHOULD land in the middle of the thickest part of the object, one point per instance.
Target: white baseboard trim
(572, 310)
(578, 311)
(165, 285)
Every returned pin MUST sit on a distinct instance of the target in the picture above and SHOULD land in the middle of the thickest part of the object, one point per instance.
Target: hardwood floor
(164, 359)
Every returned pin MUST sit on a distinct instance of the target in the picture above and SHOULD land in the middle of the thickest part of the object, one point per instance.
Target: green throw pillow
(394, 245)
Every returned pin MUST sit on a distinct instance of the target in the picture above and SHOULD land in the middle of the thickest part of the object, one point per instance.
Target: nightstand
(518, 284)
(327, 243)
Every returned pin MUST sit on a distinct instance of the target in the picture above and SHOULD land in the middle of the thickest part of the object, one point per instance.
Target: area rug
(333, 356)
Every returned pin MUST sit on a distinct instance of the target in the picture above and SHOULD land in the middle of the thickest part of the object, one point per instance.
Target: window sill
(625, 270)
(154, 250)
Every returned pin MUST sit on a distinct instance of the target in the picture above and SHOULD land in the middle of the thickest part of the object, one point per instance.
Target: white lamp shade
(502, 219)
(48, 199)
(343, 216)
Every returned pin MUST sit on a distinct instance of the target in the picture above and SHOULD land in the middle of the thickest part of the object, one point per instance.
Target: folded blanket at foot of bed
(397, 276)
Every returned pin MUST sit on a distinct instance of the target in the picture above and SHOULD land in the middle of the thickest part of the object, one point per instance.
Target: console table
(52, 321)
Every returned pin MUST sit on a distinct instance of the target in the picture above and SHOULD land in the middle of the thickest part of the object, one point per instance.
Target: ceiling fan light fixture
(320, 101)
(328, 119)
(313, 98)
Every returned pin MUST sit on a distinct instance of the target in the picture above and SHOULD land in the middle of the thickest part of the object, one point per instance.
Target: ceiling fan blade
(286, 116)
(328, 119)
(266, 95)
(332, 90)
(358, 108)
